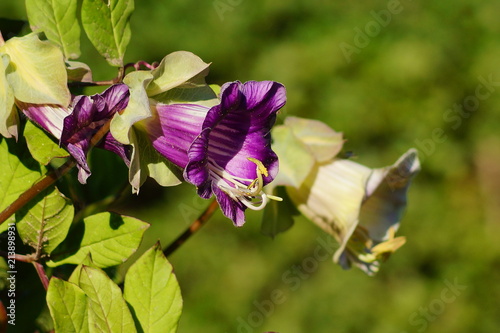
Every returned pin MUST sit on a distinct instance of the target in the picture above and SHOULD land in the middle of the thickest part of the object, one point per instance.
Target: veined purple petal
(231, 208)
(111, 144)
(76, 125)
(115, 99)
(88, 116)
(175, 129)
(49, 117)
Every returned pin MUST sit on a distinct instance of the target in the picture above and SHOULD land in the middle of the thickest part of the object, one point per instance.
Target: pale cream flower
(359, 206)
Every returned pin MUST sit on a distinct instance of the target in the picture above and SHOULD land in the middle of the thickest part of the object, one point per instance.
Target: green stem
(195, 226)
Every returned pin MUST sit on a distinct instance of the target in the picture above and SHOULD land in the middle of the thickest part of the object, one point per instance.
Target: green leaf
(176, 69)
(109, 238)
(146, 161)
(41, 146)
(57, 19)
(44, 222)
(320, 139)
(68, 306)
(138, 106)
(36, 71)
(107, 26)
(75, 276)
(18, 172)
(278, 215)
(107, 310)
(78, 71)
(296, 160)
(152, 292)
(8, 114)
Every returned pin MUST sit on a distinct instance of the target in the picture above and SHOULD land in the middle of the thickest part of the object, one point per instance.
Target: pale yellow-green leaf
(296, 161)
(146, 161)
(176, 69)
(320, 139)
(137, 108)
(36, 72)
(8, 113)
(110, 238)
(78, 71)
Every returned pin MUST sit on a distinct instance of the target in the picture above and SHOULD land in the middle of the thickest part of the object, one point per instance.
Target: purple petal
(49, 117)
(231, 208)
(115, 98)
(109, 143)
(174, 130)
(88, 116)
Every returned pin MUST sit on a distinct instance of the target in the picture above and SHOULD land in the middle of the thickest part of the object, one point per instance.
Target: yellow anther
(260, 167)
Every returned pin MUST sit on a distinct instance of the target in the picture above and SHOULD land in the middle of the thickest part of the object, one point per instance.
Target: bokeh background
(390, 75)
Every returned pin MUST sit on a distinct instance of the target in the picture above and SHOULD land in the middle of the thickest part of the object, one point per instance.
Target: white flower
(359, 206)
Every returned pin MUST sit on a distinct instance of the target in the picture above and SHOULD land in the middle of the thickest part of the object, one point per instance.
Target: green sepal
(146, 161)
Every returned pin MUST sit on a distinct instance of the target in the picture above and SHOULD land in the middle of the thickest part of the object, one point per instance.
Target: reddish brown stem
(118, 78)
(41, 274)
(17, 257)
(195, 226)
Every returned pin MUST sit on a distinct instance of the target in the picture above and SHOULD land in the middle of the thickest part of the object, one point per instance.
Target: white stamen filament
(252, 196)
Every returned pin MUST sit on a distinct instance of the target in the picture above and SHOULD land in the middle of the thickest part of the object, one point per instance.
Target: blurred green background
(413, 65)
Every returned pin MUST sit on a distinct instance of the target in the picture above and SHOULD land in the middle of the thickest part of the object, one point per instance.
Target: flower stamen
(252, 195)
